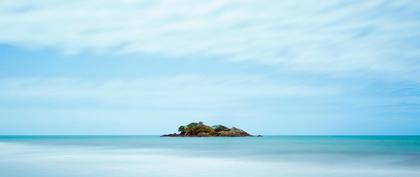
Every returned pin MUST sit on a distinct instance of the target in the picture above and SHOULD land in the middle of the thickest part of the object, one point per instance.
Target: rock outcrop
(202, 130)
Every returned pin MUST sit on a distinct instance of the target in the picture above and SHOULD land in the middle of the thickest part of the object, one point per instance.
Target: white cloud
(330, 37)
(167, 91)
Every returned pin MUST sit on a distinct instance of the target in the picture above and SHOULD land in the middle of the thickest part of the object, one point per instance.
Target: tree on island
(181, 129)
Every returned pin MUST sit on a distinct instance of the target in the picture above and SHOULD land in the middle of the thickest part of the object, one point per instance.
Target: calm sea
(153, 156)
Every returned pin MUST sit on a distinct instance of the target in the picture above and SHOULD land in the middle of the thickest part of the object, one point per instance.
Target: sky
(87, 67)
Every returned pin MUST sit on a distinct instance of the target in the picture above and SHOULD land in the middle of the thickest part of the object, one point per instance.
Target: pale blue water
(153, 156)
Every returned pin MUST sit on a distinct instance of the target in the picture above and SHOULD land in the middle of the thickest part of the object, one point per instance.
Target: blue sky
(270, 67)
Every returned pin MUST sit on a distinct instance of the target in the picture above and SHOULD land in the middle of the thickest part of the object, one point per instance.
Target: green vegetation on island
(200, 129)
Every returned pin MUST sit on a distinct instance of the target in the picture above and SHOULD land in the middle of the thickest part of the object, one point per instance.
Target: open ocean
(153, 156)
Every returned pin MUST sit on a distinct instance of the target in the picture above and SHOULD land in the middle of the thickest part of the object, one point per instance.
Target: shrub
(219, 128)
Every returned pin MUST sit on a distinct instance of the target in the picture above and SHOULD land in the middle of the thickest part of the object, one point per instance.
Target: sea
(154, 156)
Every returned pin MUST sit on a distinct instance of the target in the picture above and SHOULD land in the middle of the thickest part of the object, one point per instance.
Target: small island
(200, 129)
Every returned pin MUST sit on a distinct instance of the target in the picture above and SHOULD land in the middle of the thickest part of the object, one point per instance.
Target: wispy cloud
(331, 37)
(171, 91)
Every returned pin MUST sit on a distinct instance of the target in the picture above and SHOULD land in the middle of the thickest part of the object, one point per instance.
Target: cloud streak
(170, 91)
(333, 37)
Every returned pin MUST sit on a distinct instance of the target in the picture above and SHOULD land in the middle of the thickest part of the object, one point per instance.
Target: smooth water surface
(153, 156)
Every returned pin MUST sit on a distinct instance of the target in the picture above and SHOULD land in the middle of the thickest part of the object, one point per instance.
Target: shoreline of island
(199, 129)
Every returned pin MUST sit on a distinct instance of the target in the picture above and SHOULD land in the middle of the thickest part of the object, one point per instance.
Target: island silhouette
(199, 129)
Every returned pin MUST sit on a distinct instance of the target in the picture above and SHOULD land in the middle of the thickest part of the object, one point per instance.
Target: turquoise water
(270, 156)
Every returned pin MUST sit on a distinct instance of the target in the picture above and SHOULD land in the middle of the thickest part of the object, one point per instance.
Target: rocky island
(200, 129)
